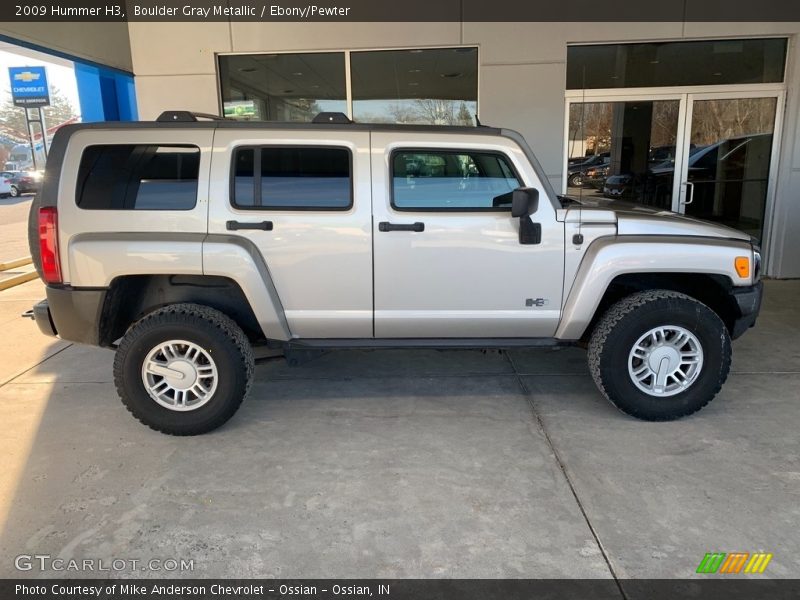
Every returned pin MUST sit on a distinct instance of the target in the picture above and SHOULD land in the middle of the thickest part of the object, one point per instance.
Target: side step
(422, 343)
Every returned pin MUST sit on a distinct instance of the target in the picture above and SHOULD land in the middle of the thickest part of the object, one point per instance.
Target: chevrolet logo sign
(26, 76)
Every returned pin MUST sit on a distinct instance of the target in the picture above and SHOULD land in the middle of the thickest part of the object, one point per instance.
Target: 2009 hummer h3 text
(184, 243)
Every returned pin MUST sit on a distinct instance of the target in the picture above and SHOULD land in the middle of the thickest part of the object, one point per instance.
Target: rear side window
(452, 180)
(138, 177)
(292, 178)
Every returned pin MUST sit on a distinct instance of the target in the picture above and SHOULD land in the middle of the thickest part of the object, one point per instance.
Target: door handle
(386, 226)
(689, 192)
(237, 225)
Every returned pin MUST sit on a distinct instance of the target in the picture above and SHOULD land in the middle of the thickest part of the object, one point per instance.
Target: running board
(422, 343)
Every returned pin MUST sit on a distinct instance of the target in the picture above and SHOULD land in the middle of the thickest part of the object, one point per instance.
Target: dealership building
(699, 118)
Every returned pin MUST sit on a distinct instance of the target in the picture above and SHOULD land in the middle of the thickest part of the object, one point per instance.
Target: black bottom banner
(398, 589)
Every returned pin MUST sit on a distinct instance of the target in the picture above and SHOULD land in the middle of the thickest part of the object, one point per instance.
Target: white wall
(522, 78)
(104, 43)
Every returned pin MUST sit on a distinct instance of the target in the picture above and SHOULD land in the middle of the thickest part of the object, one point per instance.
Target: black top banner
(399, 10)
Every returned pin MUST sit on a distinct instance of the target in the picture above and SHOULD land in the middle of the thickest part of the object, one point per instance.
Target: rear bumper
(748, 300)
(71, 313)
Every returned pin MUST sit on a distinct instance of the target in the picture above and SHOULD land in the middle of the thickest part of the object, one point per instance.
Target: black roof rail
(335, 118)
(185, 116)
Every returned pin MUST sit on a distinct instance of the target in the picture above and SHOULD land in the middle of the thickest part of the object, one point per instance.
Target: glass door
(624, 150)
(726, 159)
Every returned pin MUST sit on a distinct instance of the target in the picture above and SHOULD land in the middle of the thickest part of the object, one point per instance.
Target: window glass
(282, 87)
(436, 86)
(292, 178)
(138, 177)
(451, 180)
(654, 64)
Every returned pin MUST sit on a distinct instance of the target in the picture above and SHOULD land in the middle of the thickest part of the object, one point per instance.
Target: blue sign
(29, 86)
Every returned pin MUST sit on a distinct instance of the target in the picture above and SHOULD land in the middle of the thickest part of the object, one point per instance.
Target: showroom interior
(697, 118)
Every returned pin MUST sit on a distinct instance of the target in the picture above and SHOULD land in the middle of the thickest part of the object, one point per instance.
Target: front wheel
(14, 191)
(184, 369)
(575, 180)
(659, 355)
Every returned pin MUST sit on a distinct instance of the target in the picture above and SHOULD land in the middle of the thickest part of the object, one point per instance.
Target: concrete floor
(14, 227)
(404, 464)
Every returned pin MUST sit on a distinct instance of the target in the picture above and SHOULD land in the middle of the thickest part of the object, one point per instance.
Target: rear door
(308, 194)
(448, 260)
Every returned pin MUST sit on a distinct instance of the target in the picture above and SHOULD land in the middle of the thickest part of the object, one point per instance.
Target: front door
(727, 157)
(448, 261)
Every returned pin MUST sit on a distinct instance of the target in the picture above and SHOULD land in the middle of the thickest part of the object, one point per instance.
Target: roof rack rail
(335, 118)
(185, 116)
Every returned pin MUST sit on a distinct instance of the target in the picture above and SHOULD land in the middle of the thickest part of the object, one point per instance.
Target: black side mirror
(524, 202)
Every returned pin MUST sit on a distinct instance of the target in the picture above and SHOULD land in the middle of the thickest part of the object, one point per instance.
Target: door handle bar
(237, 225)
(689, 192)
(386, 226)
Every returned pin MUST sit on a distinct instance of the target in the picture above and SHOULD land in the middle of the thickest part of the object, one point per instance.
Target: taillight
(48, 244)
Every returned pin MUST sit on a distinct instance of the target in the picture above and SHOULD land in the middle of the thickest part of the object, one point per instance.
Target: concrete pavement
(14, 227)
(404, 464)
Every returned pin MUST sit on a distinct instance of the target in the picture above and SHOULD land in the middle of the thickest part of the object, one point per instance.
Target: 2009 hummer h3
(184, 243)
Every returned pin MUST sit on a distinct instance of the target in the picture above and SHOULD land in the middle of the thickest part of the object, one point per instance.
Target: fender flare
(610, 256)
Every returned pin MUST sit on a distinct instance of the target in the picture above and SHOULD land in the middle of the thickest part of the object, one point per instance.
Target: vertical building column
(104, 94)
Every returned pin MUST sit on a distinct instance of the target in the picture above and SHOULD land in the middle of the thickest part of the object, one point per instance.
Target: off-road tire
(617, 331)
(217, 334)
(33, 234)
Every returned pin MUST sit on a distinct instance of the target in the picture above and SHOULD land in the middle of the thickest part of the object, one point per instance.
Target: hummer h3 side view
(185, 243)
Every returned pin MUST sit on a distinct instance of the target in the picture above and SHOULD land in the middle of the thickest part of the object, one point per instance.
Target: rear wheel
(575, 180)
(14, 191)
(659, 355)
(184, 369)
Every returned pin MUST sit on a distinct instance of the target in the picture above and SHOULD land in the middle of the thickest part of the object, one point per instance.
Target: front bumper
(748, 301)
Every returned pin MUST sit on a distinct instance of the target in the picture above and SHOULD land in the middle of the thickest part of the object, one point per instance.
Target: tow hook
(28, 314)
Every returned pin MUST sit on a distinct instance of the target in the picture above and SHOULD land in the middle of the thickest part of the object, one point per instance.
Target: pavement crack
(529, 398)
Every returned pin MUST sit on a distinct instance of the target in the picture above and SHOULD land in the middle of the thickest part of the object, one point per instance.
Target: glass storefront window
(282, 87)
(656, 64)
(434, 87)
(437, 86)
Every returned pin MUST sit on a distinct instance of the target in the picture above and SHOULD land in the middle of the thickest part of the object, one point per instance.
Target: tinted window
(292, 178)
(444, 180)
(437, 86)
(282, 87)
(138, 177)
(713, 62)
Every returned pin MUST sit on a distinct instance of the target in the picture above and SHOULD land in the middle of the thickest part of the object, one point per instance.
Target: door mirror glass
(524, 202)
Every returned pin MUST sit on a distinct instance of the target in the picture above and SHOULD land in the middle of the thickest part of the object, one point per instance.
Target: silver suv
(183, 244)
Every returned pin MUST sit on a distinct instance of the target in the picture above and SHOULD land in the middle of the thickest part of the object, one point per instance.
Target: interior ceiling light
(414, 70)
(415, 51)
(297, 73)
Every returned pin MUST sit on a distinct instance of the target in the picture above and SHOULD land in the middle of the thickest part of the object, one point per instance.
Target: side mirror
(524, 202)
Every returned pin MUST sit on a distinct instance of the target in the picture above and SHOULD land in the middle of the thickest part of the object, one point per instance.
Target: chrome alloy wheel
(180, 375)
(665, 361)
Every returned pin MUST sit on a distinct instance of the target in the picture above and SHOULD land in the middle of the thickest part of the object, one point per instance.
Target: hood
(633, 219)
